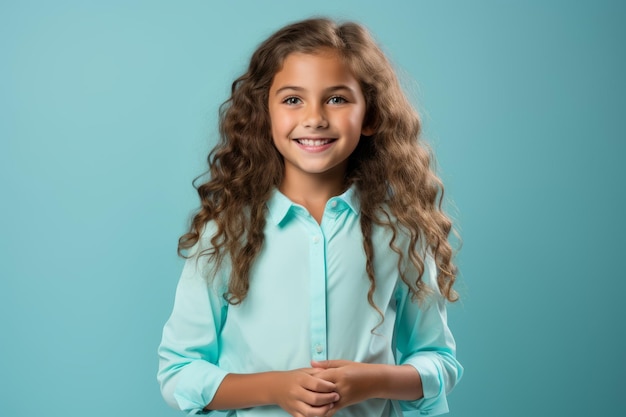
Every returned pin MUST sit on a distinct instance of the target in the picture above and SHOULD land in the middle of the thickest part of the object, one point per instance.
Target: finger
(329, 375)
(320, 364)
(334, 409)
(316, 399)
(320, 385)
(319, 411)
(311, 371)
(315, 371)
(335, 363)
(327, 385)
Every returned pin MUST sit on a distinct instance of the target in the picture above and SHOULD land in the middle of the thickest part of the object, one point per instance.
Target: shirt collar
(279, 205)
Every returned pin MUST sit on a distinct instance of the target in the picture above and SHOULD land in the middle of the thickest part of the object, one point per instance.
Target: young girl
(318, 264)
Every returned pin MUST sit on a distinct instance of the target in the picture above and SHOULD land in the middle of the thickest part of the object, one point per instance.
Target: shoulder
(388, 228)
(201, 258)
(208, 232)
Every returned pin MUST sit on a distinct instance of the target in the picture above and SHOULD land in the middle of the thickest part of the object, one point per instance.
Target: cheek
(354, 121)
(281, 123)
(274, 123)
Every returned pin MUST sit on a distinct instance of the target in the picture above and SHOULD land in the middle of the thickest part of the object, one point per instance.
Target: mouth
(313, 142)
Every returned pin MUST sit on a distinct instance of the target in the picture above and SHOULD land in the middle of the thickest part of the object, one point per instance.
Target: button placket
(318, 292)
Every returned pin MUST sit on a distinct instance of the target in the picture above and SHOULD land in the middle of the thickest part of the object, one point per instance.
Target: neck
(312, 192)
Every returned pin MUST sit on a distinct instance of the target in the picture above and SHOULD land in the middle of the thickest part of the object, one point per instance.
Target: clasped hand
(326, 387)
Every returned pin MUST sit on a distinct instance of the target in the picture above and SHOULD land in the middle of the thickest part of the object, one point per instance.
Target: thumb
(327, 364)
(331, 413)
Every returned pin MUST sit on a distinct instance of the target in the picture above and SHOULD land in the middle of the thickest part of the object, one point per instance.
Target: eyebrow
(327, 90)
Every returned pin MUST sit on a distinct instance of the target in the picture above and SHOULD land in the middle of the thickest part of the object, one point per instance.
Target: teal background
(107, 112)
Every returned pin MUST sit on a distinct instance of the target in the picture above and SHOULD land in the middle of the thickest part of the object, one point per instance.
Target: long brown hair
(391, 169)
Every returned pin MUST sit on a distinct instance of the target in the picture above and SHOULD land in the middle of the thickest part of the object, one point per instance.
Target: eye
(291, 101)
(337, 100)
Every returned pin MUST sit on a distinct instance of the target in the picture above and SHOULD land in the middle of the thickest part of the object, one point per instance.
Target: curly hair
(391, 170)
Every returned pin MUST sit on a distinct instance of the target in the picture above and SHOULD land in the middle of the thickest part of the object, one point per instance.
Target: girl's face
(316, 109)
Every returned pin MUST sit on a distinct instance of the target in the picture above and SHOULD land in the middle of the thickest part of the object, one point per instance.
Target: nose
(315, 117)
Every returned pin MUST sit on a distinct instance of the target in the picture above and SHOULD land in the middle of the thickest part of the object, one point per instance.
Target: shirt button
(319, 348)
(316, 239)
(333, 204)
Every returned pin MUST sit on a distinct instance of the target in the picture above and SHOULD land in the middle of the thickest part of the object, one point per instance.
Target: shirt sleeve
(424, 341)
(188, 354)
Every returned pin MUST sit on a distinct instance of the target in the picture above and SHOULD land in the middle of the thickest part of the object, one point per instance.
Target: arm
(299, 392)
(358, 382)
(425, 342)
(426, 368)
(189, 353)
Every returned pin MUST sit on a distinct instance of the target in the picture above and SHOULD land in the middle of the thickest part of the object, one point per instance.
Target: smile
(314, 142)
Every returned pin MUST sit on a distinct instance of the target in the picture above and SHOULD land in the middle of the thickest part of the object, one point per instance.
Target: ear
(367, 131)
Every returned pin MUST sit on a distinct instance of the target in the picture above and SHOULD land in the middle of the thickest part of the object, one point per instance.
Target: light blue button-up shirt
(307, 300)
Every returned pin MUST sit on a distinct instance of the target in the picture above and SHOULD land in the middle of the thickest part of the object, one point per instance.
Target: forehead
(321, 67)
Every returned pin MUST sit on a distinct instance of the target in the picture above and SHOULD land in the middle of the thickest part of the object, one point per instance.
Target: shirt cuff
(429, 374)
(196, 386)
(434, 401)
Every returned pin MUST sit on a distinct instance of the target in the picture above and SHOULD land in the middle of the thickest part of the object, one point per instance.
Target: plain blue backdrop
(107, 112)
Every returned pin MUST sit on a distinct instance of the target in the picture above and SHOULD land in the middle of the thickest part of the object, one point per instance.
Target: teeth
(314, 142)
